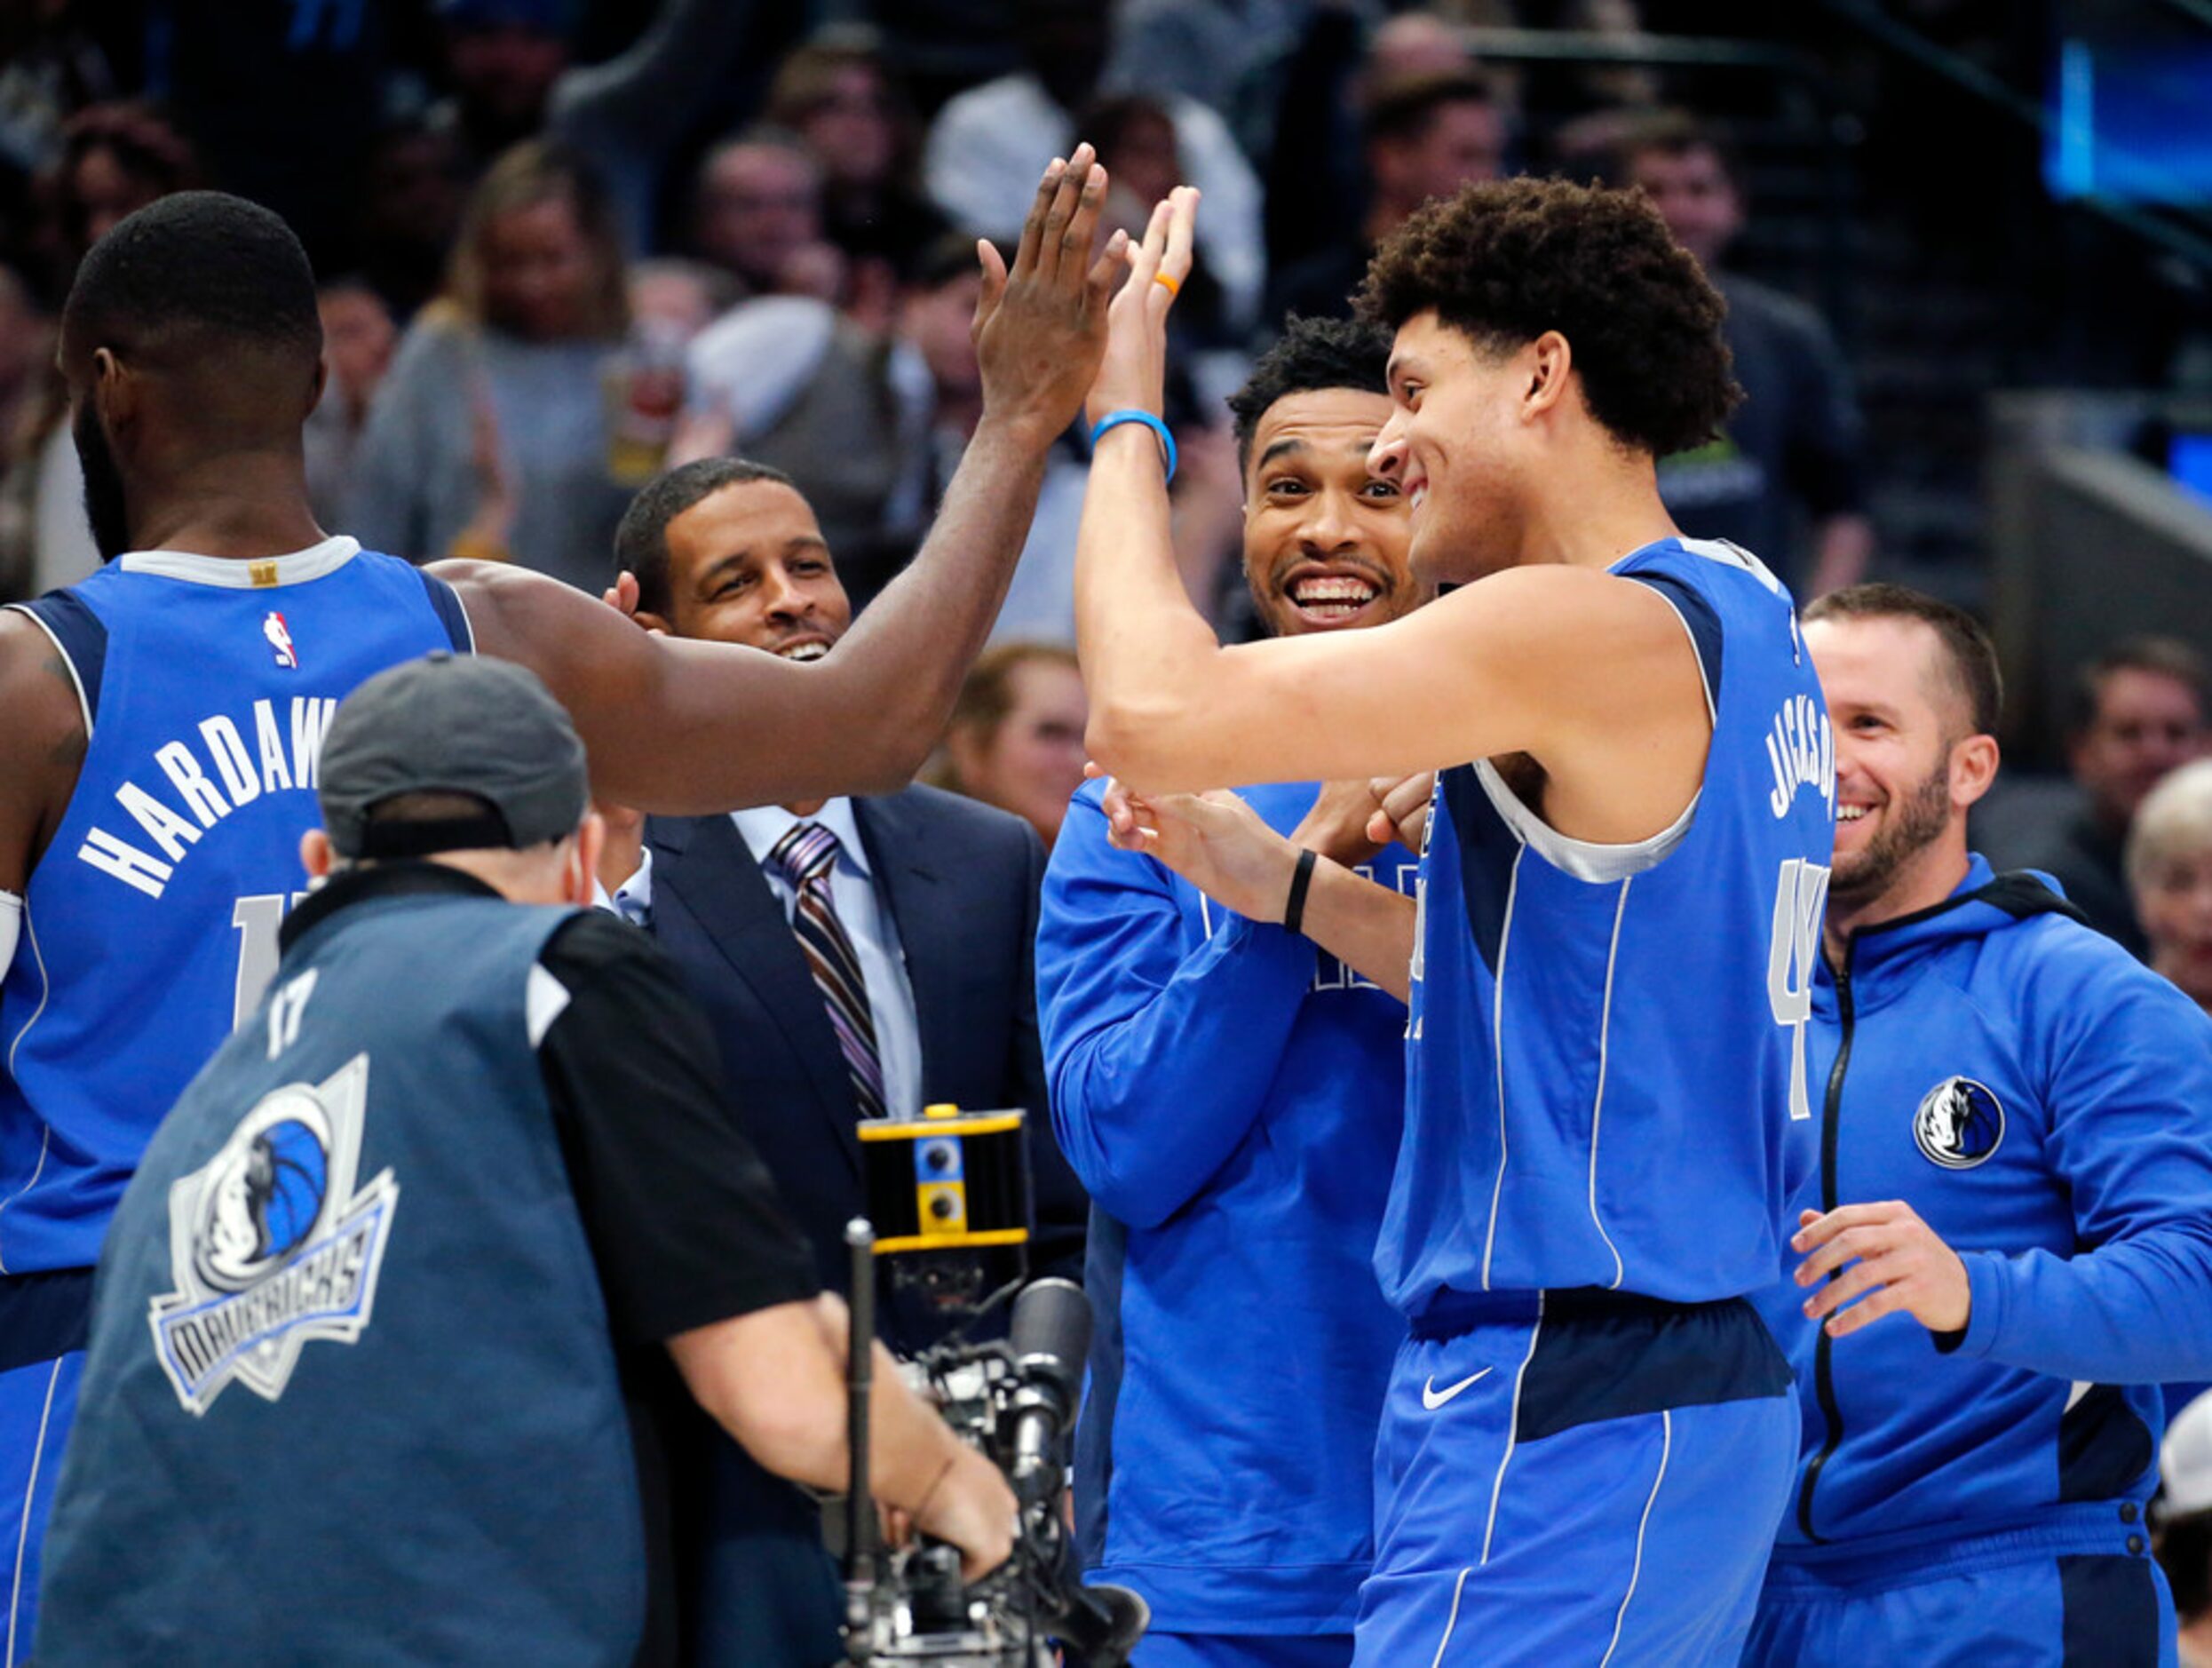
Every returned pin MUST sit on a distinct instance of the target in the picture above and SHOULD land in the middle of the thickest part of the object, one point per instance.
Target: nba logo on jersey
(279, 638)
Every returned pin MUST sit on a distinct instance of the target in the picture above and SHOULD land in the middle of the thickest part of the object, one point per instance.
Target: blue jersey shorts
(2077, 1590)
(42, 1319)
(1598, 1482)
(37, 1403)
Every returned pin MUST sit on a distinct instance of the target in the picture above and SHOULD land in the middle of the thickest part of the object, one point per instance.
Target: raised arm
(690, 727)
(646, 99)
(1550, 661)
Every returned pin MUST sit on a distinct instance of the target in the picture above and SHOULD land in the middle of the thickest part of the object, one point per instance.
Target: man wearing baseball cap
(386, 1314)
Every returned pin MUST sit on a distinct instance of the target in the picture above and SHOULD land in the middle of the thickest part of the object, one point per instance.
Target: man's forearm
(653, 92)
(775, 1380)
(730, 726)
(1367, 927)
(1138, 634)
(911, 1447)
(1149, 1105)
(902, 664)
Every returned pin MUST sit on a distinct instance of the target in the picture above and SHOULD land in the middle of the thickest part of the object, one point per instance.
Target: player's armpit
(42, 744)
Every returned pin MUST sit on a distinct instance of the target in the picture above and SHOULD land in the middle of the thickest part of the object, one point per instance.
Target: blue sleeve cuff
(1245, 939)
(1984, 1315)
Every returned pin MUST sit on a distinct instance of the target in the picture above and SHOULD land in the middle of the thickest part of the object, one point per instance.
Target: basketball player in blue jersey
(164, 718)
(1588, 1437)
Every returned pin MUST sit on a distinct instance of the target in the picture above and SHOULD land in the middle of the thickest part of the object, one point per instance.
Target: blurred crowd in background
(566, 244)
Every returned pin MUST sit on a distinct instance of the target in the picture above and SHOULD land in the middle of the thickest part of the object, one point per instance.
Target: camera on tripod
(939, 1186)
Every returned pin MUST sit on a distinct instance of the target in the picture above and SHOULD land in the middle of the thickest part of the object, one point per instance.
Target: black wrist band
(1294, 911)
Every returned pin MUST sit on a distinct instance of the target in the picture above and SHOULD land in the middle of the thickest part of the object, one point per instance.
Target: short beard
(106, 511)
(1920, 818)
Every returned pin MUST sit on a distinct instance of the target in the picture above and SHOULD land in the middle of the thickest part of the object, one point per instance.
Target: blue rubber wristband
(1114, 418)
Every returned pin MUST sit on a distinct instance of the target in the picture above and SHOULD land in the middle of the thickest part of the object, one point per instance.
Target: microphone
(1049, 1336)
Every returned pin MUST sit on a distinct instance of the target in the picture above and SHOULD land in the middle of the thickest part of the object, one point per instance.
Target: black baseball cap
(457, 724)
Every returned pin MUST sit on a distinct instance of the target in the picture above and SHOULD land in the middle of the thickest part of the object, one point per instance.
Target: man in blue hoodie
(1232, 1097)
(2036, 1110)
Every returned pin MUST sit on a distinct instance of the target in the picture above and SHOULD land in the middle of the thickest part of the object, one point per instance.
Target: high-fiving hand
(1133, 374)
(1041, 327)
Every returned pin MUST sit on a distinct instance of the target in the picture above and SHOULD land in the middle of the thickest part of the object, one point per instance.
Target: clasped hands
(1218, 843)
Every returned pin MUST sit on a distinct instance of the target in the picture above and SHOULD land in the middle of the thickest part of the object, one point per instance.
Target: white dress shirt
(861, 911)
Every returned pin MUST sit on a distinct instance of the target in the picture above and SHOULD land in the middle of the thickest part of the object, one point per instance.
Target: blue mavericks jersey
(1606, 1043)
(149, 926)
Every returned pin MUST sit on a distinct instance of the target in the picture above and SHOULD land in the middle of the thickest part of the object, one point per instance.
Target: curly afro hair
(1505, 261)
(1312, 354)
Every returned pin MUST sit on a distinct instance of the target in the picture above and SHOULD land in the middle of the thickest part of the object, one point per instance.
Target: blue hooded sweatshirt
(1232, 1098)
(2044, 1102)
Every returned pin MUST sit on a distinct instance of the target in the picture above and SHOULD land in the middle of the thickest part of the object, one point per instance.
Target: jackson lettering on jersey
(1801, 750)
(210, 780)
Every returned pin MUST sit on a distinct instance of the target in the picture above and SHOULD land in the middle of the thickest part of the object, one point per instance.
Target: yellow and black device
(946, 1179)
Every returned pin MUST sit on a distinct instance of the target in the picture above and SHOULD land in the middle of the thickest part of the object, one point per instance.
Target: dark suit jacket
(961, 881)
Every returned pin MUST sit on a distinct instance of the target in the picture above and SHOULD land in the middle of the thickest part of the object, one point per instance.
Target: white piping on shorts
(1513, 1431)
(1666, 1446)
(1451, 1621)
(23, 1535)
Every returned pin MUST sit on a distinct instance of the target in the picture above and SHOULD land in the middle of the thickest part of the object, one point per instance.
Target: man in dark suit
(856, 957)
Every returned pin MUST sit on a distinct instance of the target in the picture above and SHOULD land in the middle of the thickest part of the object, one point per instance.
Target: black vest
(351, 1395)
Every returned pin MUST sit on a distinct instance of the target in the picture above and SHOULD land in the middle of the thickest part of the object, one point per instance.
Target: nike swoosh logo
(1432, 1398)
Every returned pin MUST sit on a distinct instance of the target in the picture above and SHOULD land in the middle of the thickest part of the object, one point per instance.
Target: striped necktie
(803, 857)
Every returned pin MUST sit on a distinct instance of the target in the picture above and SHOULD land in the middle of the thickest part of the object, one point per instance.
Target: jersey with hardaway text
(150, 924)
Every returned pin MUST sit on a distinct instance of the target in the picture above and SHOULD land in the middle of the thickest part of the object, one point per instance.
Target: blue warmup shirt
(150, 924)
(1231, 1096)
(1607, 1041)
(2045, 1104)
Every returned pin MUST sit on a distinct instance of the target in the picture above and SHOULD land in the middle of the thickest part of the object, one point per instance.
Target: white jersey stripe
(1497, 1047)
(1597, 1102)
(45, 994)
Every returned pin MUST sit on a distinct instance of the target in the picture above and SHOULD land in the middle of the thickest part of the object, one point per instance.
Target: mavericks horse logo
(1959, 1124)
(269, 1244)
